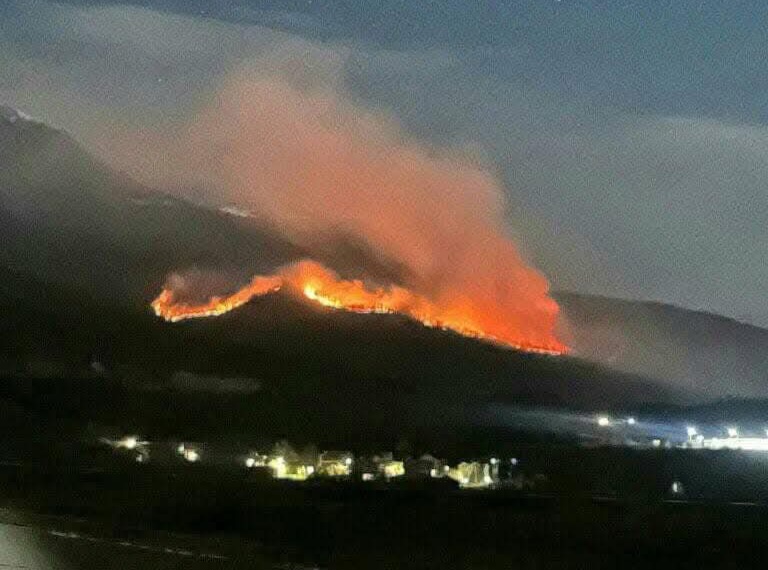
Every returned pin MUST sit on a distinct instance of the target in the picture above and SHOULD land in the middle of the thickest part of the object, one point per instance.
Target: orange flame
(167, 306)
(320, 285)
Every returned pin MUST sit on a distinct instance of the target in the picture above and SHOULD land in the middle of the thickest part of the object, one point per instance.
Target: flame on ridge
(167, 306)
(318, 284)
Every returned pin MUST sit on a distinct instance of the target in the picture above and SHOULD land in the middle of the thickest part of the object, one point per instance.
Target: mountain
(277, 368)
(702, 353)
(68, 218)
(86, 249)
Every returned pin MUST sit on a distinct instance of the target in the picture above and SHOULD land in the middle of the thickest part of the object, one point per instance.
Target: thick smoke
(310, 163)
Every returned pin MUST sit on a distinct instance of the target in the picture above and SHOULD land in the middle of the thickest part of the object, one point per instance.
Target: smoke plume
(305, 160)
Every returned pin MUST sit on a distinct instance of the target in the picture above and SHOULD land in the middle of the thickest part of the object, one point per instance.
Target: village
(284, 462)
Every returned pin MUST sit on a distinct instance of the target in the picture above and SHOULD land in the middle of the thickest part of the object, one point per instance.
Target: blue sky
(631, 137)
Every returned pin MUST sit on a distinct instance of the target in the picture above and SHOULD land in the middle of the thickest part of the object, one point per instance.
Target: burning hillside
(167, 305)
(314, 282)
(311, 164)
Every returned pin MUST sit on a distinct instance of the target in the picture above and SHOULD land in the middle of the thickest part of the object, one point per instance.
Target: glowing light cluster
(316, 283)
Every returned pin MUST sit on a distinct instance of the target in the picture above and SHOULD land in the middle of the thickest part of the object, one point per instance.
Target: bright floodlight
(191, 455)
(631, 421)
(129, 442)
(691, 431)
(603, 421)
(733, 432)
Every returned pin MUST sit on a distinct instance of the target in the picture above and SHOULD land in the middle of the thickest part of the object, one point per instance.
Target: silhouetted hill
(86, 249)
(67, 218)
(699, 352)
(308, 358)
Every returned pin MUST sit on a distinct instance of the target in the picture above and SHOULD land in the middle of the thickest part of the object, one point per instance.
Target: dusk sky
(631, 137)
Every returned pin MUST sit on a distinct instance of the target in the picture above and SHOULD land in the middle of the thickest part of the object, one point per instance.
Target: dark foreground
(57, 543)
(200, 518)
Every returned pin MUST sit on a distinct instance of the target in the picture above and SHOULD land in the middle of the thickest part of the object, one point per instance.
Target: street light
(191, 455)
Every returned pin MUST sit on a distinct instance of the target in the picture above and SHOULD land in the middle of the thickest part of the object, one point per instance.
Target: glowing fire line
(320, 285)
(167, 306)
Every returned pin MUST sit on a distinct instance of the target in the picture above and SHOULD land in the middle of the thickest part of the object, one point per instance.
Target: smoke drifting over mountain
(304, 160)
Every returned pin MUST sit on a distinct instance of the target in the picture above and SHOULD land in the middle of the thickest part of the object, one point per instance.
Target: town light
(733, 432)
(692, 432)
(250, 462)
(191, 455)
(603, 421)
(631, 421)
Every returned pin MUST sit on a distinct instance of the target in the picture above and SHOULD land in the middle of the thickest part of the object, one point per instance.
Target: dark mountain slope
(316, 375)
(67, 218)
(85, 249)
(700, 352)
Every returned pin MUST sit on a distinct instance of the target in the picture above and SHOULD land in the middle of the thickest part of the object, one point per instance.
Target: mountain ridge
(114, 242)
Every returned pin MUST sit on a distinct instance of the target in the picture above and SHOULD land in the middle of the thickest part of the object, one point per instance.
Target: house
(424, 467)
(335, 464)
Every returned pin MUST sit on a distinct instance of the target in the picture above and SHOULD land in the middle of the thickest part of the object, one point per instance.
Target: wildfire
(322, 286)
(169, 308)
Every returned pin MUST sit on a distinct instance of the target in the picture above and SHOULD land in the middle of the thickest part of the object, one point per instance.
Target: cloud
(92, 70)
